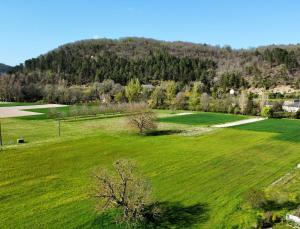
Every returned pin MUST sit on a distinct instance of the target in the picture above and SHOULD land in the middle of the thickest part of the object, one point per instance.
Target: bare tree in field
(123, 189)
(263, 100)
(243, 102)
(205, 102)
(143, 119)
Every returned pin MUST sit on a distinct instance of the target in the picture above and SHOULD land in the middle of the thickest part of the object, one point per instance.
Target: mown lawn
(206, 118)
(44, 183)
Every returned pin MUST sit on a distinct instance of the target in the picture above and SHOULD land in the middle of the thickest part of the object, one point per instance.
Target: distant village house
(288, 105)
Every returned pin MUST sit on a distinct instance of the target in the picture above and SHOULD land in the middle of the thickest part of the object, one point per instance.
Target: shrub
(266, 112)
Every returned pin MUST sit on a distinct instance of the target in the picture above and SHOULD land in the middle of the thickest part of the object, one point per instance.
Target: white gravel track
(237, 123)
(184, 113)
(17, 111)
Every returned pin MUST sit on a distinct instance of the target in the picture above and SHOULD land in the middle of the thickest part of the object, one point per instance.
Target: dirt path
(237, 123)
(184, 113)
(17, 111)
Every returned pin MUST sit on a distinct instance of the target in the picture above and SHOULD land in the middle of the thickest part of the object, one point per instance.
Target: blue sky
(32, 27)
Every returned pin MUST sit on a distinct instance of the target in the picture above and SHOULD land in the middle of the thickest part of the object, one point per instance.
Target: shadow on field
(176, 215)
(163, 132)
(272, 205)
(169, 215)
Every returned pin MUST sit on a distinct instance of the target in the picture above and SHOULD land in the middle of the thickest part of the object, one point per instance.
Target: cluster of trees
(164, 95)
(278, 56)
(98, 67)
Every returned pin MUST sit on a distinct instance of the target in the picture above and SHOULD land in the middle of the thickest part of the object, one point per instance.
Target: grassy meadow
(12, 104)
(203, 118)
(202, 178)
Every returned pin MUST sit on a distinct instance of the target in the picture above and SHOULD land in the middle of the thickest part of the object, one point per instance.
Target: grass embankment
(45, 185)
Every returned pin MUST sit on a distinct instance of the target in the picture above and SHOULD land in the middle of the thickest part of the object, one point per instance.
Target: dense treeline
(87, 62)
(87, 69)
(279, 56)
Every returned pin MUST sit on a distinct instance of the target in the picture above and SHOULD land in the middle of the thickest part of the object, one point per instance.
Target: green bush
(266, 112)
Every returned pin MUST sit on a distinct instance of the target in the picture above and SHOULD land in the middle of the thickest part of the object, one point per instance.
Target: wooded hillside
(95, 60)
(4, 68)
(151, 61)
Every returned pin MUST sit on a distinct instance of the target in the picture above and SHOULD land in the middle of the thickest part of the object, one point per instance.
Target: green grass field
(12, 104)
(44, 183)
(288, 130)
(44, 113)
(206, 118)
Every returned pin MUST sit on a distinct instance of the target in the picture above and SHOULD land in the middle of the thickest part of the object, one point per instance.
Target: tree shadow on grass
(272, 205)
(162, 132)
(176, 215)
(168, 215)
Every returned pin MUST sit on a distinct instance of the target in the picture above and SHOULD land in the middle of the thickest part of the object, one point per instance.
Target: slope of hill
(147, 59)
(4, 68)
(151, 61)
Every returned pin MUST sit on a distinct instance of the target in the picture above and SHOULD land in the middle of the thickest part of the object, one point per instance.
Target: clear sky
(29, 28)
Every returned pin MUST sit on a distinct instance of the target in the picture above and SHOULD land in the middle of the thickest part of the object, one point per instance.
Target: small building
(293, 218)
(148, 87)
(291, 106)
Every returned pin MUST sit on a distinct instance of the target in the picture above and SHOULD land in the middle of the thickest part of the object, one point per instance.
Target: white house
(291, 106)
(293, 218)
(288, 105)
(148, 87)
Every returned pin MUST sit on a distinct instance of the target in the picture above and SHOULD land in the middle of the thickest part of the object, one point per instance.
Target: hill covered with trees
(4, 68)
(152, 61)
